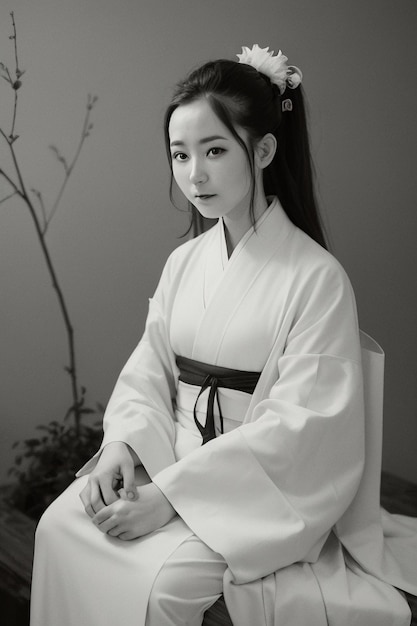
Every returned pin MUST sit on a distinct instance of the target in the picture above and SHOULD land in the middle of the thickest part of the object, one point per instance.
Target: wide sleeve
(267, 494)
(140, 410)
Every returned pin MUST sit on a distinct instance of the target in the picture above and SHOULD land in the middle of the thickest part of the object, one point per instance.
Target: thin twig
(60, 158)
(15, 40)
(10, 181)
(12, 135)
(17, 168)
(87, 126)
(5, 69)
(8, 197)
(4, 135)
(17, 82)
(39, 196)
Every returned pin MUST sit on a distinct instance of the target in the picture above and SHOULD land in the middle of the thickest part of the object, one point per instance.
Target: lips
(205, 196)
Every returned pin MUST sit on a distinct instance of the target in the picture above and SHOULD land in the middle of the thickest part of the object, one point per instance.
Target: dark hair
(241, 97)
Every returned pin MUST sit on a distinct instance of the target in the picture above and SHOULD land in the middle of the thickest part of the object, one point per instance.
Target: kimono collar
(273, 222)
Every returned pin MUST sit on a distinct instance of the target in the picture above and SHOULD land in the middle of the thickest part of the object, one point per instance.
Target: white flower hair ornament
(275, 67)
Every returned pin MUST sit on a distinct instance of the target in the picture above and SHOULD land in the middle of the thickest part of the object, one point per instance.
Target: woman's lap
(84, 576)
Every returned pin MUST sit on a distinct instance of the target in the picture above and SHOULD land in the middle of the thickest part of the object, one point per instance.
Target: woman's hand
(129, 520)
(115, 468)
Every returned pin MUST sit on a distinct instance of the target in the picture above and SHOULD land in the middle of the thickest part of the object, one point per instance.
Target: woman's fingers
(85, 496)
(107, 483)
(115, 469)
(109, 527)
(127, 536)
(110, 521)
(97, 494)
(128, 475)
(120, 518)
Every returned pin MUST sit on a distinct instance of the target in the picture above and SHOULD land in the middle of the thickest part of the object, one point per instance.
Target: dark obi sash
(212, 377)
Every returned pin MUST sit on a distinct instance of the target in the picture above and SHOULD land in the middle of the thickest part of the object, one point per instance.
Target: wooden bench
(16, 551)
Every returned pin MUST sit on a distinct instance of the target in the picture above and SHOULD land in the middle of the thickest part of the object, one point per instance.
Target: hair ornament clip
(275, 67)
(286, 105)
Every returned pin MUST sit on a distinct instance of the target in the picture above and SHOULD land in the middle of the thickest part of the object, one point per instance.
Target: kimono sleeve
(140, 409)
(267, 494)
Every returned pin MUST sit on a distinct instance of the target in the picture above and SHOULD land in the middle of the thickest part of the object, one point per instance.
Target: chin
(210, 215)
(208, 212)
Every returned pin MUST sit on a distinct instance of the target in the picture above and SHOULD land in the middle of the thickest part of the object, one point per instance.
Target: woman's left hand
(129, 520)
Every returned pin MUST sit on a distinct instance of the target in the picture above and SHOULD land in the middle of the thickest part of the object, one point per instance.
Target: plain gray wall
(116, 227)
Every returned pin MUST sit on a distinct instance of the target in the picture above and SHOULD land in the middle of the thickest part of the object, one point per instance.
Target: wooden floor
(16, 548)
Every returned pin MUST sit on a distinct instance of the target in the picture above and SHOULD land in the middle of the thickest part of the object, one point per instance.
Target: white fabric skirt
(85, 578)
(82, 577)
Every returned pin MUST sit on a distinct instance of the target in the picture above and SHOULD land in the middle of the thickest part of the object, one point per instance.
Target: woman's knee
(60, 513)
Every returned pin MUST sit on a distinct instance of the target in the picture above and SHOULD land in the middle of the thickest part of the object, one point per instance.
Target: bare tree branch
(8, 197)
(85, 132)
(60, 158)
(17, 83)
(10, 181)
(42, 221)
(6, 77)
(39, 196)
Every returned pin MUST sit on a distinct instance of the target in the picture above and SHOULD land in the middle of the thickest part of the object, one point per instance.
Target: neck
(235, 229)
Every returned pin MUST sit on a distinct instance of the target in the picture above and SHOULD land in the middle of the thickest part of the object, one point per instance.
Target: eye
(179, 156)
(215, 151)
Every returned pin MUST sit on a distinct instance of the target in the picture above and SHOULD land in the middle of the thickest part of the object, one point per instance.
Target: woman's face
(209, 166)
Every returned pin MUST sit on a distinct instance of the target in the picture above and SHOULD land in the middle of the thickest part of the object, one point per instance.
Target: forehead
(195, 120)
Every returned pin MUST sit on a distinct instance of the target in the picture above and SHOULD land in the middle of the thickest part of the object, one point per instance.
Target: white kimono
(279, 494)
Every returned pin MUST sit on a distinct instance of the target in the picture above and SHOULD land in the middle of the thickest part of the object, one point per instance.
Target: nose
(198, 174)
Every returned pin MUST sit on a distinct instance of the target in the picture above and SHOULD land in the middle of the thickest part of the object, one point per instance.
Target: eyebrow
(202, 141)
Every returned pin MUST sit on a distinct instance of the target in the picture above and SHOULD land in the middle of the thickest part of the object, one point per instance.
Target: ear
(265, 150)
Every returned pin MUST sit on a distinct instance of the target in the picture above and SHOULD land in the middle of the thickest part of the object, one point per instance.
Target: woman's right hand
(115, 468)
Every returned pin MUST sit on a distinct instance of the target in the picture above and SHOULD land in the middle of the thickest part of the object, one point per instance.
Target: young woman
(233, 450)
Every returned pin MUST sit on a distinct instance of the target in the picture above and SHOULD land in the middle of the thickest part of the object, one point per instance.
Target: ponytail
(290, 175)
